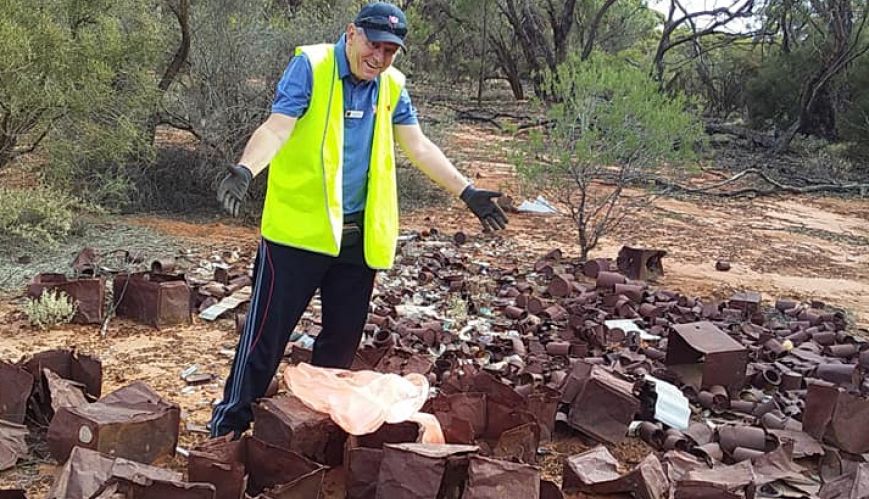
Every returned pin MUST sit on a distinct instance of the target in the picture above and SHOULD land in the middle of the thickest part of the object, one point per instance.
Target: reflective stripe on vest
(303, 206)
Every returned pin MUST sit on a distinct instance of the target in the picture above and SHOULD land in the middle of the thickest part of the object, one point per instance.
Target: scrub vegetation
(139, 106)
(51, 309)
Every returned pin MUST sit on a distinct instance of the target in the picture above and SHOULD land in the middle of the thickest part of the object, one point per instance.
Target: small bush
(51, 309)
(181, 180)
(611, 129)
(35, 217)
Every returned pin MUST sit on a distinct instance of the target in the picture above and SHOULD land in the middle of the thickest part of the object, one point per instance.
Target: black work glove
(233, 188)
(482, 204)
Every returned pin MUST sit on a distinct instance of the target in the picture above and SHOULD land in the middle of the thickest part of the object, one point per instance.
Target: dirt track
(806, 248)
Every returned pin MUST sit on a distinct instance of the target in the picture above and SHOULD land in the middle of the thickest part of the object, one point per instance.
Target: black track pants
(285, 280)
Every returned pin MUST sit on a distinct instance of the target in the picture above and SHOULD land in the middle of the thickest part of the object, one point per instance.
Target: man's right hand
(233, 188)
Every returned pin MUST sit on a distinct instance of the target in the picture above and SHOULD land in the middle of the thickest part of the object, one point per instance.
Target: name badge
(354, 113)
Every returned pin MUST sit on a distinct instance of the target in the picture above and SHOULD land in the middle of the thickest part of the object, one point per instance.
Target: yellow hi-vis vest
(303, 205)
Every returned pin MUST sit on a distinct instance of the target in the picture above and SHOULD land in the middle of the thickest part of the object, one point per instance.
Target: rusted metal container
(133, 422)
(486, 477)
(15, 386)
(154, 299)
(288, 423)
(437, 470)
(705, 356)
(641, 263)
(834, 415)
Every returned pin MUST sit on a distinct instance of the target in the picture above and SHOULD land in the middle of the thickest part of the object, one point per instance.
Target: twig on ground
(777, 187)
(128, 269)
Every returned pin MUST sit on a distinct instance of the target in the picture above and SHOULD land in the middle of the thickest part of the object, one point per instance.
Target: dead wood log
(491, 117)
(776, 186)
(756, 138)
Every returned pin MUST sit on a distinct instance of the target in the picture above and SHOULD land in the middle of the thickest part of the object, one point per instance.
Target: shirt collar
(341, 57)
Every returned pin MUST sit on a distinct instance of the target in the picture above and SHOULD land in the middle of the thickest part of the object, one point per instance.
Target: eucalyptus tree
(831, 34)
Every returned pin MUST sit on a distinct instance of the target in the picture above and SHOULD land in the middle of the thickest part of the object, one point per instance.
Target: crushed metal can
(601, 404)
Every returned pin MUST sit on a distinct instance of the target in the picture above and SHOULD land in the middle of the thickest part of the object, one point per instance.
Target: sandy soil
(806, 248)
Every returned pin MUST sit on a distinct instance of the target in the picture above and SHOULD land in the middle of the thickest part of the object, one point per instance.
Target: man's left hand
(483, 205)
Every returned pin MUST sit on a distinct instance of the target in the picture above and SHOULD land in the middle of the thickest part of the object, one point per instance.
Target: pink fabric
(361, 401)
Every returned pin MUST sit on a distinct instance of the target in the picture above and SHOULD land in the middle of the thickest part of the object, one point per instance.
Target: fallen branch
(128, 268)
(756, 138)
(777, 187)
(492, 117)
(489, 114)
(469, 116)
(536, 124)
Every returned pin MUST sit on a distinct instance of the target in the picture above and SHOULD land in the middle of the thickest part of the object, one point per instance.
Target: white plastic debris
(228, 303)
(190, 371)
(628, 325)
(416, 312)
(539, 205)
(671, 406)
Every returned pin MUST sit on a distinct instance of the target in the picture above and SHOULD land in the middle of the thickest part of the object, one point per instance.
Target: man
(330, 218)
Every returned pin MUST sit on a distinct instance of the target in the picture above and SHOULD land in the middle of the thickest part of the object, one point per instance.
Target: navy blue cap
(383, 22)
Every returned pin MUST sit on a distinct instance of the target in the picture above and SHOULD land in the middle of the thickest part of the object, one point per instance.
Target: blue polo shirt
(293, 96)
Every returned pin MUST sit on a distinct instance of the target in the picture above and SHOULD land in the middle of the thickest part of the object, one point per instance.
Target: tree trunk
(7, 142)
(588, 45)
(516, 86)
(671, 38)
(816, 112)
(182, 13)
(562, 23)
(482, 54)
(820, 117)
(509, 65)
(531, 30)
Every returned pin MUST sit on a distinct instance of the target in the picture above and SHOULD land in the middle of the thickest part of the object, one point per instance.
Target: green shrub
(610, 130)
(51, 309)
(80, 81)
(772, 95)
(38, 217)
(853, 121)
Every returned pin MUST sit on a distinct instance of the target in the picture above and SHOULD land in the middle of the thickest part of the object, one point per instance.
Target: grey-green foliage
(33, 76)
(854, 119)
(74, 70)
(445, 37)
(773, 92)
(90, 68)
(52, 308)
(35, 218)
(239, 51)
(718, 78)
(610, 129)
(627, 24)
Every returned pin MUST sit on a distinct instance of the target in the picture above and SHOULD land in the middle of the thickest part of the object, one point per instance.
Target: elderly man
(330, 219)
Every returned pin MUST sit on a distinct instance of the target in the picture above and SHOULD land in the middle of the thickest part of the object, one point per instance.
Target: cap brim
(384, 37)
